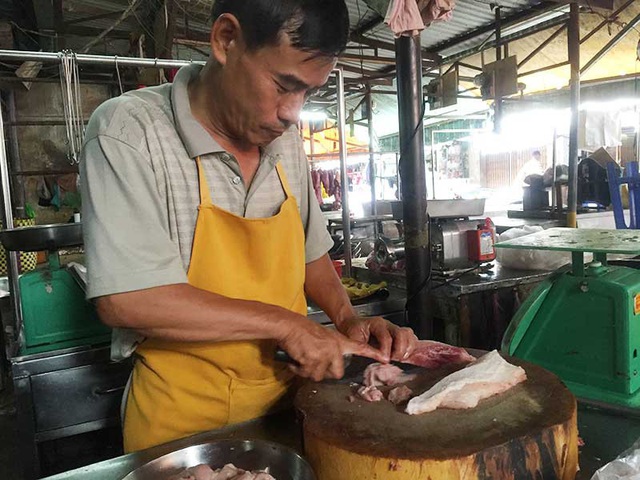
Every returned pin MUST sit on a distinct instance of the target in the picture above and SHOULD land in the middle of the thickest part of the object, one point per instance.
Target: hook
(118, 74)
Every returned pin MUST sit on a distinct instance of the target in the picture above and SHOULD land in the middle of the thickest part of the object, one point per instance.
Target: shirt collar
(195, 138)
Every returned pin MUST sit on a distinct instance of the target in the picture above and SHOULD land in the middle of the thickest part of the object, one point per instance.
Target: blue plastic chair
(630, 177)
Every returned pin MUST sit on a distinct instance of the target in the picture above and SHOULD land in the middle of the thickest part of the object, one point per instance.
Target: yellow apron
(182, 388)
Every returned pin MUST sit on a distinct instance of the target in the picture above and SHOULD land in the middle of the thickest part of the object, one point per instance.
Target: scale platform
(583, 323)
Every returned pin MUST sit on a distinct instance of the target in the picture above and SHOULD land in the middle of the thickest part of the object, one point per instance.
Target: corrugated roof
(468, 16)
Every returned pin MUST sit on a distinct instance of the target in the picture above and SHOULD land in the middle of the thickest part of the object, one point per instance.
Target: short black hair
(320, 26)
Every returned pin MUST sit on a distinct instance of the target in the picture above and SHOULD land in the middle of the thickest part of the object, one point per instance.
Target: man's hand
(319, 350)
(396, 343)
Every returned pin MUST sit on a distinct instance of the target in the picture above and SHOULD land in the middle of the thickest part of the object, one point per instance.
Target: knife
(282, 356)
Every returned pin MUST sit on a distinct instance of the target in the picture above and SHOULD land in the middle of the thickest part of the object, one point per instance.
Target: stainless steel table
(459, 294)
(496, 277)
(391, 308)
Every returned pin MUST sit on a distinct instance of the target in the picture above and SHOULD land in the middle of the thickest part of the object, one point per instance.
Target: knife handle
(282, 356)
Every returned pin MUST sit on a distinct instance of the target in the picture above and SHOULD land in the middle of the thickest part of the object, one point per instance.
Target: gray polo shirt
(139, 185)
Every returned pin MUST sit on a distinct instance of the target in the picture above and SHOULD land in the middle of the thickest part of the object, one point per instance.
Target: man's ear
(225, 34)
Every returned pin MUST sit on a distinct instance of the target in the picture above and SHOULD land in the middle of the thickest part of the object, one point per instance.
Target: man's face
(265, 89)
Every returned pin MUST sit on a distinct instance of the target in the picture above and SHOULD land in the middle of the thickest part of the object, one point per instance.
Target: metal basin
(42, 237)
(283, 463)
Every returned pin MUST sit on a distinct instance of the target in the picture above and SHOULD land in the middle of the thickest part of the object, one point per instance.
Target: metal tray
(283, 463)
(42, 237)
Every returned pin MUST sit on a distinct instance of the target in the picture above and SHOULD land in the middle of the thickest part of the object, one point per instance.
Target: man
(532, 167)
(202, 234)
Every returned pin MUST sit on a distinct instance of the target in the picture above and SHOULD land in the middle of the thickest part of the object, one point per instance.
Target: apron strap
(283, 180)
(205, 193)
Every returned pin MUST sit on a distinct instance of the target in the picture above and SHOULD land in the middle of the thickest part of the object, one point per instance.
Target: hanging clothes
(317, 185)
(403, 18)
(436, 10)
(337, 191)
(409, 17)
(326, 181)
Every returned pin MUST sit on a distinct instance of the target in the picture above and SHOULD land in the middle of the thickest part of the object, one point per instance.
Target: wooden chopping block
(529, 432)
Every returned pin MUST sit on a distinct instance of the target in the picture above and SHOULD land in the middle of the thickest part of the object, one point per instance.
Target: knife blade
(282, 356)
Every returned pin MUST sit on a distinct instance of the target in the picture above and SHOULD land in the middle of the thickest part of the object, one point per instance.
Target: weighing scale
(583, 323)
(55, 313)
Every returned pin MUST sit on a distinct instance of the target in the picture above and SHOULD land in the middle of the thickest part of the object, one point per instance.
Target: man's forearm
(184, 313)
(323, 286)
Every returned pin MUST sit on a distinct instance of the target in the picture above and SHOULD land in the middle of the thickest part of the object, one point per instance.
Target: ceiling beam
(367, 26)
(80, 31)
(368, 59)
(358, 70)
(426, 55)
(91, 18)
(540, 47)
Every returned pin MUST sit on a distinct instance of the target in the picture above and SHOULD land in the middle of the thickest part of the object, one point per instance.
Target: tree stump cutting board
(529, 432)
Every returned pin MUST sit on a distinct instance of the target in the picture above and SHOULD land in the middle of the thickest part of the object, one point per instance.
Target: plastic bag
(625, 467)
(529, 259)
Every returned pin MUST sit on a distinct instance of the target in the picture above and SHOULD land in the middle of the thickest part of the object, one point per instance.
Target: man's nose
(289, 111)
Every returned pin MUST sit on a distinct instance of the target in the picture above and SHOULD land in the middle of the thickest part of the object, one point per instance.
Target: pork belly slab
(431, 354)
(488, 376)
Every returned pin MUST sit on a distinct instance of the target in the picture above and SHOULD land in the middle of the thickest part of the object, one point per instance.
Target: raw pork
(378, 374)
(228, 472)
(370, 394)
(430, 354)
(399, 394)
(484, 378)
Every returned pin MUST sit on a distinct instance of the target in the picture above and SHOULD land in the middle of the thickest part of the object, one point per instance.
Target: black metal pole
(372, 158)
(574, 60)
(414, 185)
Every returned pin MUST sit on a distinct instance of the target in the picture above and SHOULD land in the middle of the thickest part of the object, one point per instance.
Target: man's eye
(281, 89)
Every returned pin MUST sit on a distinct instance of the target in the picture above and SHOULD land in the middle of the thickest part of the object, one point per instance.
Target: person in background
(533, 166)
(203, 237)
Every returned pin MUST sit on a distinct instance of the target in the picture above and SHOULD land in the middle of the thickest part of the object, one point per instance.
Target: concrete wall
(42, 144)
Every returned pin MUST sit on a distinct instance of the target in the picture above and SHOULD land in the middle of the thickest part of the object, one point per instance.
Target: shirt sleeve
(317, 239)
(127, 241)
